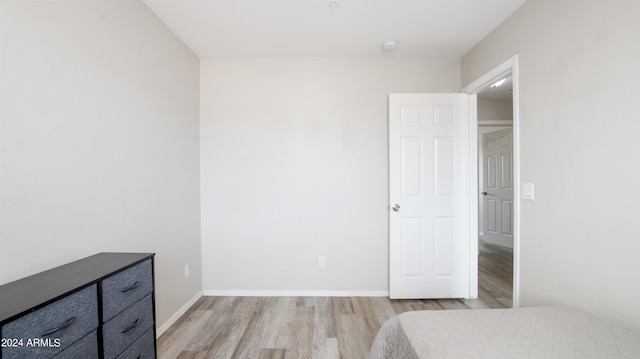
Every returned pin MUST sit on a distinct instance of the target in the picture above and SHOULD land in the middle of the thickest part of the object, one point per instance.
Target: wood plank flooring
(495, 276)
(310, 327)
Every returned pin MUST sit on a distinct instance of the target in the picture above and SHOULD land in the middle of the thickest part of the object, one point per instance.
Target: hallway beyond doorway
(495, 276)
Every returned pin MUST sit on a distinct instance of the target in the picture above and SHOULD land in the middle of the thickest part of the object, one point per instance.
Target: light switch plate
(527, 191)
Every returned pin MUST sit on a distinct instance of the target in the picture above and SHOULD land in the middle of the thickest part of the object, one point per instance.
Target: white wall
(579, 145)
(294, 165)
(99, 141)
(495, 110)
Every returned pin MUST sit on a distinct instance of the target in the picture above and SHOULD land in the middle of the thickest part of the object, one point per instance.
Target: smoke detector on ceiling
(389, 45)
(332, 4)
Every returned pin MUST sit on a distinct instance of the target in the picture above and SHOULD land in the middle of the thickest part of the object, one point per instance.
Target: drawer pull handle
(64, 325)
(132, 326)
(132, 287)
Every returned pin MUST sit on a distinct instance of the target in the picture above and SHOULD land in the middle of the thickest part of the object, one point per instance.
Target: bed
(538, 332)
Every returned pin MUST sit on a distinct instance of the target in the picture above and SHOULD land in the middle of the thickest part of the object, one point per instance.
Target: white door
(497, 191)
(429, 195)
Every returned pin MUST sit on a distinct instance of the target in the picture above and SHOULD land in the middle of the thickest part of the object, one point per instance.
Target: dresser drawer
(143, 348)
(125, 328)
(54, 327)
(85, 348)
(125, 288)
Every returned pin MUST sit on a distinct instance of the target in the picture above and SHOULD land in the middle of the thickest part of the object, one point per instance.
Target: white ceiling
(502, 92)
(310, 28)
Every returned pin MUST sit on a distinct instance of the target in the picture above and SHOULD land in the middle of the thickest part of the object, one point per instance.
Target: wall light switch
(527, 191)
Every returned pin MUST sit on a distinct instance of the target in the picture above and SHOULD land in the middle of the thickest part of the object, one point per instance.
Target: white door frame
(508, 67)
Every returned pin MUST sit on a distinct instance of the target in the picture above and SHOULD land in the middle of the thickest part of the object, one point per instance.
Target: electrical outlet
(322, 261)
(186, 271)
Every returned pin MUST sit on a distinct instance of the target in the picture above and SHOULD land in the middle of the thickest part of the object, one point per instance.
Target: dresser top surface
(24, 294)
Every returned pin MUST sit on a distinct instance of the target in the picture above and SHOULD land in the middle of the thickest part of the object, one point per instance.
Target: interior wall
(578, 139)
(99, 141)
(294, 166)
(495, 110)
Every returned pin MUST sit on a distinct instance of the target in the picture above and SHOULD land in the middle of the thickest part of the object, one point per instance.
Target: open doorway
(484, 82)
(496, 193)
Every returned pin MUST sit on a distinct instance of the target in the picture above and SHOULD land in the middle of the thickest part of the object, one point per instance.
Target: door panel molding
(497, 195)
(429, 198)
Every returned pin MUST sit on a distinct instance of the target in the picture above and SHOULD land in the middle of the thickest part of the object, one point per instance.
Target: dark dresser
(102, 306)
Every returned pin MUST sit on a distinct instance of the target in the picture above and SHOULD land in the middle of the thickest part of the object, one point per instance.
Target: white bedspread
(539, 332)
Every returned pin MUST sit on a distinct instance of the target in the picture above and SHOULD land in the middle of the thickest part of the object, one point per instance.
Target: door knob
(396, 207)
(484, 193)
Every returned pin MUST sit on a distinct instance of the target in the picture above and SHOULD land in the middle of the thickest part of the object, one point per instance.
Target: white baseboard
(293, 293)
(163, 328)
(503, 246)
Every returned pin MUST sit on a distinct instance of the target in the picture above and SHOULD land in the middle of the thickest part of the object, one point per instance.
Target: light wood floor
(310, 327)
(495, 276)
